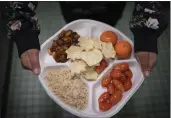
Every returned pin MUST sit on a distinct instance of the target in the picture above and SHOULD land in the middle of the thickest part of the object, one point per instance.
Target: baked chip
(97, 44)
(92, 57)
(77, 67)
(86, 43)
(90, 74)
(74, 52)
(108, 50)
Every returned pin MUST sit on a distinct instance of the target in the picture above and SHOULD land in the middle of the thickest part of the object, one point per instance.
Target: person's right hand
(30, 60)
(147, 61)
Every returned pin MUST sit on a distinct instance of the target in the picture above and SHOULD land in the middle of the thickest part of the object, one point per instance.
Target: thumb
(152, 60)
(33, 55)
(144, 62)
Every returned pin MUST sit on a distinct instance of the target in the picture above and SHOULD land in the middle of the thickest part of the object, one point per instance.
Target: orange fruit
(123, 49)
(109, 36)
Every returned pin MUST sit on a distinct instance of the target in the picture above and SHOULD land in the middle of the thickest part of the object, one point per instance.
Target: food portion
(69, 45)
(100, 68)
(89, 58)
(109, 36)
(92, 57)
(97, 44)
(93, 53)
(89, 45)
(108, 50)
(123, 49)
(61, 44)
(70, 89)
(86, 43)
(77, 67)
(119, 80)
(74, 52)
(90, 74)
(105, 81)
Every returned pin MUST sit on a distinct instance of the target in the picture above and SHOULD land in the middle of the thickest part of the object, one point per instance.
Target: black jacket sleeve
(22, 25)
(145, 38)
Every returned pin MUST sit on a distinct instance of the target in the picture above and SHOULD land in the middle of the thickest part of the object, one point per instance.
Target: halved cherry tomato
(110, 88)
(118, 85)
(116, 67)
(105, 96)
(121, 67)
(115, 97)
(104, 106)
(123, 78)
(124, 66)
(99, 69)
(116, 74)
(128, 73)
(108, 101)
(111, 81)
(103, 63)
(115, 89)
(105, 81)
(127, 84)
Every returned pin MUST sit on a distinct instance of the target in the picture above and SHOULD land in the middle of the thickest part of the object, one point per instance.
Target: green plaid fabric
(27, 98)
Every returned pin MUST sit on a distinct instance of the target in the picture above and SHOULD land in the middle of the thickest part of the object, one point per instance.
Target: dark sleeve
(22, 25)
(145, 39)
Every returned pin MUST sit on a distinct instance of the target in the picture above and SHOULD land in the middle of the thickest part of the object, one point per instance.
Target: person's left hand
(30, 60)
(147, 61)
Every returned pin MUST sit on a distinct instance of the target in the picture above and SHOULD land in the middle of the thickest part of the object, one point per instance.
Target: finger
(25, 62)
(143, 59)
(138, 60)
(24, 66)
(152, 60)
(34, 60)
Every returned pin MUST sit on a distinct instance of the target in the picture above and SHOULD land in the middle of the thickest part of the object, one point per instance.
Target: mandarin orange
(109, 36)
(123, 49)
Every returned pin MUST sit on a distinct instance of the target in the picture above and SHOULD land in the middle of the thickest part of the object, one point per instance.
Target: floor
(27, 98)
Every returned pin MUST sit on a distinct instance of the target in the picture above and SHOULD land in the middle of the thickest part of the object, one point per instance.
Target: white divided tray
(90, 28)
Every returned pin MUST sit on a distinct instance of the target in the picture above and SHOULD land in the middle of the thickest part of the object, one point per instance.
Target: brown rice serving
(71, 90)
